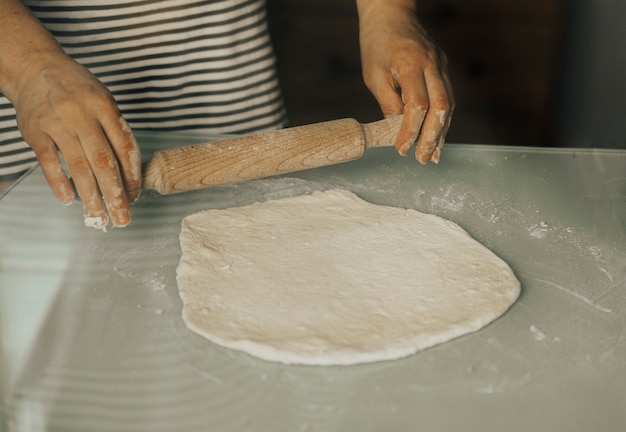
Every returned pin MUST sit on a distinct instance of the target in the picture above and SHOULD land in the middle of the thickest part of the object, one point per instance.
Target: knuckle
(104, 160)
(130, 149)
(105, 104)
(421, 106)
(46, 154)
(92, 201)
(102, 99)
(78, 165)
(442, 105)
(376, 82)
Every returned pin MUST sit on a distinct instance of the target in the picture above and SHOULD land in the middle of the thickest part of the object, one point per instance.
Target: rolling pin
(265, 154)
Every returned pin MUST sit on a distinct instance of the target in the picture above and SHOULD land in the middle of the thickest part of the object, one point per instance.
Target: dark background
(517, 67)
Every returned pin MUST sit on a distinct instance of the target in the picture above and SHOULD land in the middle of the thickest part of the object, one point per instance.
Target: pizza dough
(328, 278)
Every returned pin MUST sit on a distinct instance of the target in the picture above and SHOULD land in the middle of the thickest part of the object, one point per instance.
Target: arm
(406, 72)
(62, 108)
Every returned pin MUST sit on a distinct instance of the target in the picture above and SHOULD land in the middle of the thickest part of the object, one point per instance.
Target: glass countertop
(92, 339)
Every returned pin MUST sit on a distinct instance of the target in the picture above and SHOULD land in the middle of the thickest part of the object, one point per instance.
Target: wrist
(27, 70)
(383, 9)
(381, 18)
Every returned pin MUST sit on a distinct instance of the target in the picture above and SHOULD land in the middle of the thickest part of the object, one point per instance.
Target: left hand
(407, 73)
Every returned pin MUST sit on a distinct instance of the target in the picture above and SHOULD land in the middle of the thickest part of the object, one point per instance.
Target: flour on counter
(538, 335)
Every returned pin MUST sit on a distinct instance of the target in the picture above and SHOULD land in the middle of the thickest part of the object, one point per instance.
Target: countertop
(92, 337)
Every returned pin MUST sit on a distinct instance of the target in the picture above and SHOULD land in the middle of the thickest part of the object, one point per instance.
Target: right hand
(407, 73)
(62, 107)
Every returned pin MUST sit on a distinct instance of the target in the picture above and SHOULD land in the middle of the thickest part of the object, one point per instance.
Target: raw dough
(328, 278)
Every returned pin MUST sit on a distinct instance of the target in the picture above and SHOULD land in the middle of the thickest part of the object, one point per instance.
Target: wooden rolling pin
(266, 154)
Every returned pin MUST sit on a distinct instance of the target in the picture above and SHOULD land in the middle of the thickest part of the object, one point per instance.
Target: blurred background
(533, 72)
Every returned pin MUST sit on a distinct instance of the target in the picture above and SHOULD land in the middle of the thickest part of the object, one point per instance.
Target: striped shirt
(199, 66)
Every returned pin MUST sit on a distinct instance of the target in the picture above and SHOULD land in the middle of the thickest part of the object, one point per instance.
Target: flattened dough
(328, 278)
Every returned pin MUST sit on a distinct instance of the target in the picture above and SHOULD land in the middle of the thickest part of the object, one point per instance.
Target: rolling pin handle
(382, 133)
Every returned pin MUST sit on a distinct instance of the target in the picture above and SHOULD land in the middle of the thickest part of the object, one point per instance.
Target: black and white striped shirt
(200, 66)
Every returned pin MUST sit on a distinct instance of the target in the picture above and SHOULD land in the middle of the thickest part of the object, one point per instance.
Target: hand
(62, 107)
(407, 73)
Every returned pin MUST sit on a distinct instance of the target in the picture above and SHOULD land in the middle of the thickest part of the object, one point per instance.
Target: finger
(436, 156)
(50, 162)
(106, 170)
(127, 153)
(85, 183)
(436, 119)
(449, 104)
(415, 99)
(384, 88)
(428, 139)
(411, 126)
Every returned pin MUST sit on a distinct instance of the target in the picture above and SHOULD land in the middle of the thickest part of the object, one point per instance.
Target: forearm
(24, 42)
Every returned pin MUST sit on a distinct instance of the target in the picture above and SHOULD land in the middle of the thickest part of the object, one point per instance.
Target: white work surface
(92, 337)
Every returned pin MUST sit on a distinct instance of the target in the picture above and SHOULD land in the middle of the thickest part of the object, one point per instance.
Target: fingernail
(436, 155)
(122, 218)
(66, 195)
(404, 148)
(422, 157)
(133, 196)
(97, 222)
